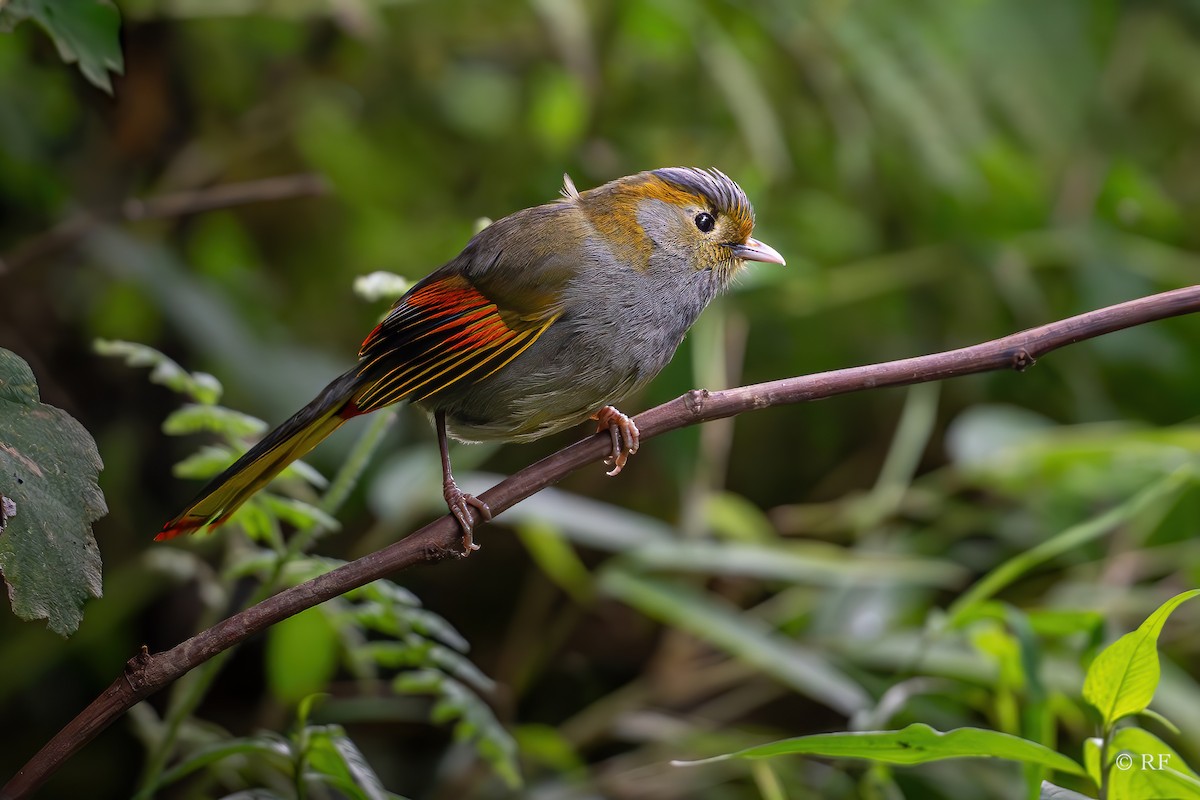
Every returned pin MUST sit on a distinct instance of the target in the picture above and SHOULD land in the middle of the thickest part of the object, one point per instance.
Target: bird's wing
(446, 329)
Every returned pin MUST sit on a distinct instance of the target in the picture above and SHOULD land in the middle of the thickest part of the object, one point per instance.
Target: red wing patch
(438, 334)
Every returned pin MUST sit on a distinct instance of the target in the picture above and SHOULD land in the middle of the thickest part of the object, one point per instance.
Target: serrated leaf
(475, 720)
(297, 513)
(916, 744)
(210, 460)
(198, 417)
(48, 471)
(200, 386)
(258, 525)
(204, 463)
(419, 681)
(1124, 676)
(84, 31)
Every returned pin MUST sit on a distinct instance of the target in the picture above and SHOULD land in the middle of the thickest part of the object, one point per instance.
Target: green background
(936, 173)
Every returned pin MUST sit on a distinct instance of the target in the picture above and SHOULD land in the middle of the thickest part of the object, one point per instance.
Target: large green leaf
(916, 744)
(816, 564)
(83, 30)
(1123, 678)
(1151, 782)
(302, 655)
(48, 471)
(1141, 742)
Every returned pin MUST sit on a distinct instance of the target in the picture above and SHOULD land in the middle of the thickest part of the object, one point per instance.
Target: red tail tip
(178, 527)
(171, 531)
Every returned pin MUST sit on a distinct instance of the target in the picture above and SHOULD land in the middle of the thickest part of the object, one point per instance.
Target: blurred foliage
(936, 173)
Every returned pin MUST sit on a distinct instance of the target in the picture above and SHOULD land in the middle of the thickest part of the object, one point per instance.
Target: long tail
(306, 428)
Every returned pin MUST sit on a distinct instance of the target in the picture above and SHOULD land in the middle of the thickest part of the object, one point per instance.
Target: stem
(1108, 731)
(360, 456)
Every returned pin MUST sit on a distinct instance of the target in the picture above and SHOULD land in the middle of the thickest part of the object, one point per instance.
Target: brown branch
(175, 204)
(146, 673)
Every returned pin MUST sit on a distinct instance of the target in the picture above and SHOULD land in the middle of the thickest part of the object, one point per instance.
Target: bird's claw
(625, 437)
(460, 504)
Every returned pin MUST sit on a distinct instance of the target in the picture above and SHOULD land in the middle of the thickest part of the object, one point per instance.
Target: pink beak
(754, 250)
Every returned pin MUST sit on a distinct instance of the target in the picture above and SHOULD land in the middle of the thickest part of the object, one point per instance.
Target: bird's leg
(460, 502)
(625, 436)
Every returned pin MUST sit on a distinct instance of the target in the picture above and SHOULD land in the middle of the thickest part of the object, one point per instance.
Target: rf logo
(1148, 761)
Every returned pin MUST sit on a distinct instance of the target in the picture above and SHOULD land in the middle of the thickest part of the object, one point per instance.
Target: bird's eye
(705, 222)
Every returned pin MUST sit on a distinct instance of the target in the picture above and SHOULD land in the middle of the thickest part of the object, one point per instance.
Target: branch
(146, 673)
(175, 204)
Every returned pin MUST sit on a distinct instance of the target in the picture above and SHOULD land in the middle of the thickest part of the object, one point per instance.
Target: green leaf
(734, 517)
(268, 746)
(48, 471)
(586, 522)
(302, 655)
(86, 31)
(550, 550)
(297, 513)
(1092, 750)
(1164, 490)
(198, 417)
(1123, 677)
(546, 745)
(1151, 783)
(205, 462)
(210, 460)
(1150, 713)
(744, 637)
(916, 744)
(332, 754)
(1139, 742)
(475, 720)
(808, 563)
(200, 386)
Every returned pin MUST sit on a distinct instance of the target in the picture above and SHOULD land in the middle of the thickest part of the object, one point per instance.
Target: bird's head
(697, 216)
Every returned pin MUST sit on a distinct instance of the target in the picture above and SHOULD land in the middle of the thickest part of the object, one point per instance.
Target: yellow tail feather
(225, 493)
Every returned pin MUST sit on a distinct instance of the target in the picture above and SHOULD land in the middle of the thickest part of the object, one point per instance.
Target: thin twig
(174, 204)
(146, 673)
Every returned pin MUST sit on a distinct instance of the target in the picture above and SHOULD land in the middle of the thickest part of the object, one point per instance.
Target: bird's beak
(754, 250)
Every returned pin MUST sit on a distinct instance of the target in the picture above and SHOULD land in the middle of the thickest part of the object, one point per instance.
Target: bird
(548, 317)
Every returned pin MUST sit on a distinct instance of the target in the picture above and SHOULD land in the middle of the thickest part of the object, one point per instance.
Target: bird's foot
(625, 437)
(460, 504)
